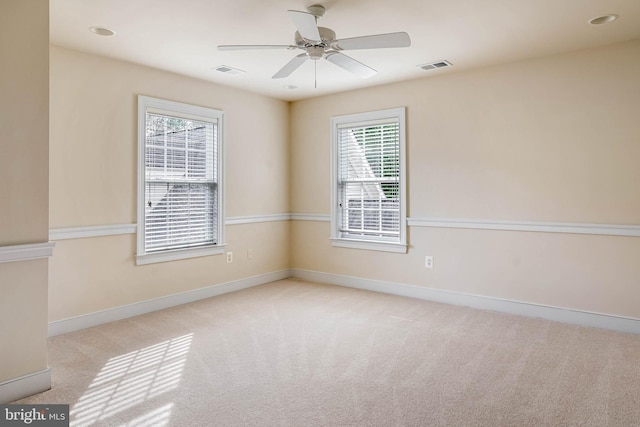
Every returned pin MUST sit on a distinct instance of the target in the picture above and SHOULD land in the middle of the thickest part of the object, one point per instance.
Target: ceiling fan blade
(291, 66)
(376, 41)
(350, 64)
(306, 25)
(255, 46)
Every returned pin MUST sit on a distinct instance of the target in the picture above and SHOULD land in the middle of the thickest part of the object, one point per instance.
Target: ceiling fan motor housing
(316, 51)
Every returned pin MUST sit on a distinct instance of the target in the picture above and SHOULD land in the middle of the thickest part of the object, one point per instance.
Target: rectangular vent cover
(228, 70)
(435, 65)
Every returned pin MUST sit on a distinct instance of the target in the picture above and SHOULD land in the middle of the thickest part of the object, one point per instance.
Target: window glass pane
(180, 149)
(180, 185)
(368, 180)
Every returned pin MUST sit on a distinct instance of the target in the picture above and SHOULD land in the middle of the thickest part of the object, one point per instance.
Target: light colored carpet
(292, 353)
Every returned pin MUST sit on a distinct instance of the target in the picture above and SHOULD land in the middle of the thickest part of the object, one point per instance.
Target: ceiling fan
(319, 42)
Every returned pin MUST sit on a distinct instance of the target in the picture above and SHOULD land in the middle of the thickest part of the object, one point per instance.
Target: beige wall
(94, 146)
(90, 275)
(24, 121)
(554, 139)
(23, 318)
(551, 139)
(24, 127)
(94, 179)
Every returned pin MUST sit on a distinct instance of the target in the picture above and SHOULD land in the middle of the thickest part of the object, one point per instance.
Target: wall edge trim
(628, 230)
(120, 229)
(24, 386)
(557, 314)
(545, 227)
(234, 220)
(488, 224)
(59, 327)
(91, 231)
(311, 217)
(27, 252)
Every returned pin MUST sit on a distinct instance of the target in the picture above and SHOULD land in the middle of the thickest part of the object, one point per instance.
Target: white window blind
(180, 185)
(369, 191)
(368, 183)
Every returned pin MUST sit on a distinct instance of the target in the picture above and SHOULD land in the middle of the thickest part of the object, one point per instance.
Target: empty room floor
(292, 353)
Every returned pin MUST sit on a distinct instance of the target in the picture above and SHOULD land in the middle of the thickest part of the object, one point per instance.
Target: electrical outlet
(229, 257)
(428, 261)
(249, 253)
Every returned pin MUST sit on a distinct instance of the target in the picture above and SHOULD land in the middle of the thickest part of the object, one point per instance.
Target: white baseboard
(582, 318)
(24, 386)
(64, 326)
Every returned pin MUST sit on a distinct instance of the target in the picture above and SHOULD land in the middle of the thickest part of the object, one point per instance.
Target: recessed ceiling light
(604, 19)
(101, 31)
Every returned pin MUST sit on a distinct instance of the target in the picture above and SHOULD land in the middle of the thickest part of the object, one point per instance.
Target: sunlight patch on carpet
(131, 379)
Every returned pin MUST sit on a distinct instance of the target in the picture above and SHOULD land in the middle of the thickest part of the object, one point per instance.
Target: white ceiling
(182, 35)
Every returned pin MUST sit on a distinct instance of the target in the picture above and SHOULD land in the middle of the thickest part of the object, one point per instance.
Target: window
(179, 188)
(368, 175)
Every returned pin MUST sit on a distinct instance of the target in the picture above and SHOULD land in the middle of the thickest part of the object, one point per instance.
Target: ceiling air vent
(435, 65)
(228, 70)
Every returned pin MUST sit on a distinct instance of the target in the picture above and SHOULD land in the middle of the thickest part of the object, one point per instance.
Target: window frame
(392, 115)
(178, 109)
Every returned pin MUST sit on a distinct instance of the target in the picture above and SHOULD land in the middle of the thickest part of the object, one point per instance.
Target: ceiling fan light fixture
(315, 52)
(604, 19)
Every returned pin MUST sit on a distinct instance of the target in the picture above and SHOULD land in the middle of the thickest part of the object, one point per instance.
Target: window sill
(370, 245)
(178, 254)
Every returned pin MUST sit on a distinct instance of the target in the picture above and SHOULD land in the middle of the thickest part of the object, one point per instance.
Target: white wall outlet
(229, 257)
(249, 253)
(428, 261)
